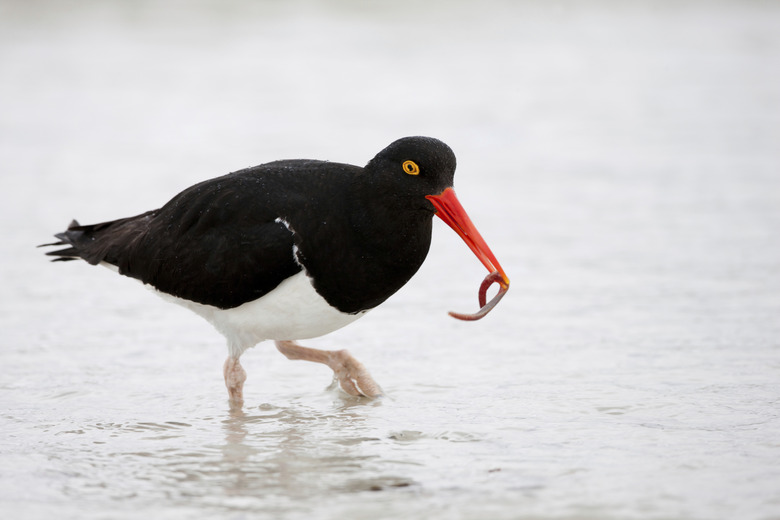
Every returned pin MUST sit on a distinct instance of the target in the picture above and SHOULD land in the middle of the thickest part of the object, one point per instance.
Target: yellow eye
(411, 167)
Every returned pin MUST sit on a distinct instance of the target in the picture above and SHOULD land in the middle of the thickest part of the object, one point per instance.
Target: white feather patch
(294, 310)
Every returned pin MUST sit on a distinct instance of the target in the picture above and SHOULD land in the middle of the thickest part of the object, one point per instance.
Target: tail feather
(95, 243)
(69, 253)
(64, 255)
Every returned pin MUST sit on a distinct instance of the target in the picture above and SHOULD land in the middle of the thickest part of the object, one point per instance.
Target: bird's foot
(235, 375)
(352, 376)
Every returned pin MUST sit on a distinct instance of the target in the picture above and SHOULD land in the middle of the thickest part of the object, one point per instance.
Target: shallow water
(621, 161)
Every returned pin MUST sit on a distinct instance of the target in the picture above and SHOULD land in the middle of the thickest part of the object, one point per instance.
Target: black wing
(217, 243)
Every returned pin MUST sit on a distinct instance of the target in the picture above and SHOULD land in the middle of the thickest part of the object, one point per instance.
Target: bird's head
(422, 170)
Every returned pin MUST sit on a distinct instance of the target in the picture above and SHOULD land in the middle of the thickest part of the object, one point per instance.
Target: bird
(292, 249)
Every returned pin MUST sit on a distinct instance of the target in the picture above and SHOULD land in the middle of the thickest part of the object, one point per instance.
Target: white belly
(294, 310)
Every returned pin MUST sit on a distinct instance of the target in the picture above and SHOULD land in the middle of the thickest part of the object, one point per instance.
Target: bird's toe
(354, 378)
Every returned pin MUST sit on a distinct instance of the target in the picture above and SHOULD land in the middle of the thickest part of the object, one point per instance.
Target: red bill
(449, 209)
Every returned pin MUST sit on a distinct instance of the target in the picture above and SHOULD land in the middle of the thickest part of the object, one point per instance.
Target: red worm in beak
(449, 209)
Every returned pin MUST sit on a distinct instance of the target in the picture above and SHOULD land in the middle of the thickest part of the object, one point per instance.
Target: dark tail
(104, 242)
(70, 253)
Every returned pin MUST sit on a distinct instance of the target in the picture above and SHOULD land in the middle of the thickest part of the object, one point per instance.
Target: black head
(420, 170)
(415, 167)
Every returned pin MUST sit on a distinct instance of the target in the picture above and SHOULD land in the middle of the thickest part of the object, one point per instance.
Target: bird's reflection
(235, 427)
(293, 450)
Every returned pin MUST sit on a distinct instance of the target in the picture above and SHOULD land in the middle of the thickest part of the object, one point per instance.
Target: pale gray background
(621, 158)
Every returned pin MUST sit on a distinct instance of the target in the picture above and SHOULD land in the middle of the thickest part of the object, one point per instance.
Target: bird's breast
(293, 310)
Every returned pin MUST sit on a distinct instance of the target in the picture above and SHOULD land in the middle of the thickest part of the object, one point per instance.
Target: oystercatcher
(292, 249)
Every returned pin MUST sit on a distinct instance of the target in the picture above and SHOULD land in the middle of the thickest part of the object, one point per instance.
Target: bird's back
(232, 239)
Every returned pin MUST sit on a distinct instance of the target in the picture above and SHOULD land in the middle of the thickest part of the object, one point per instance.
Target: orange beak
(449, 209)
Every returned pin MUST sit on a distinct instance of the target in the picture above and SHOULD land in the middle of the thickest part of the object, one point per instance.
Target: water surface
(621, 161)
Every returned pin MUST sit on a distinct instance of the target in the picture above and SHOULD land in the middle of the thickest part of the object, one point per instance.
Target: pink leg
(352, 375)
(235, 375)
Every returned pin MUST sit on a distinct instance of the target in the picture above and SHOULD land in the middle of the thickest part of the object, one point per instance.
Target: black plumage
(360, 233)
